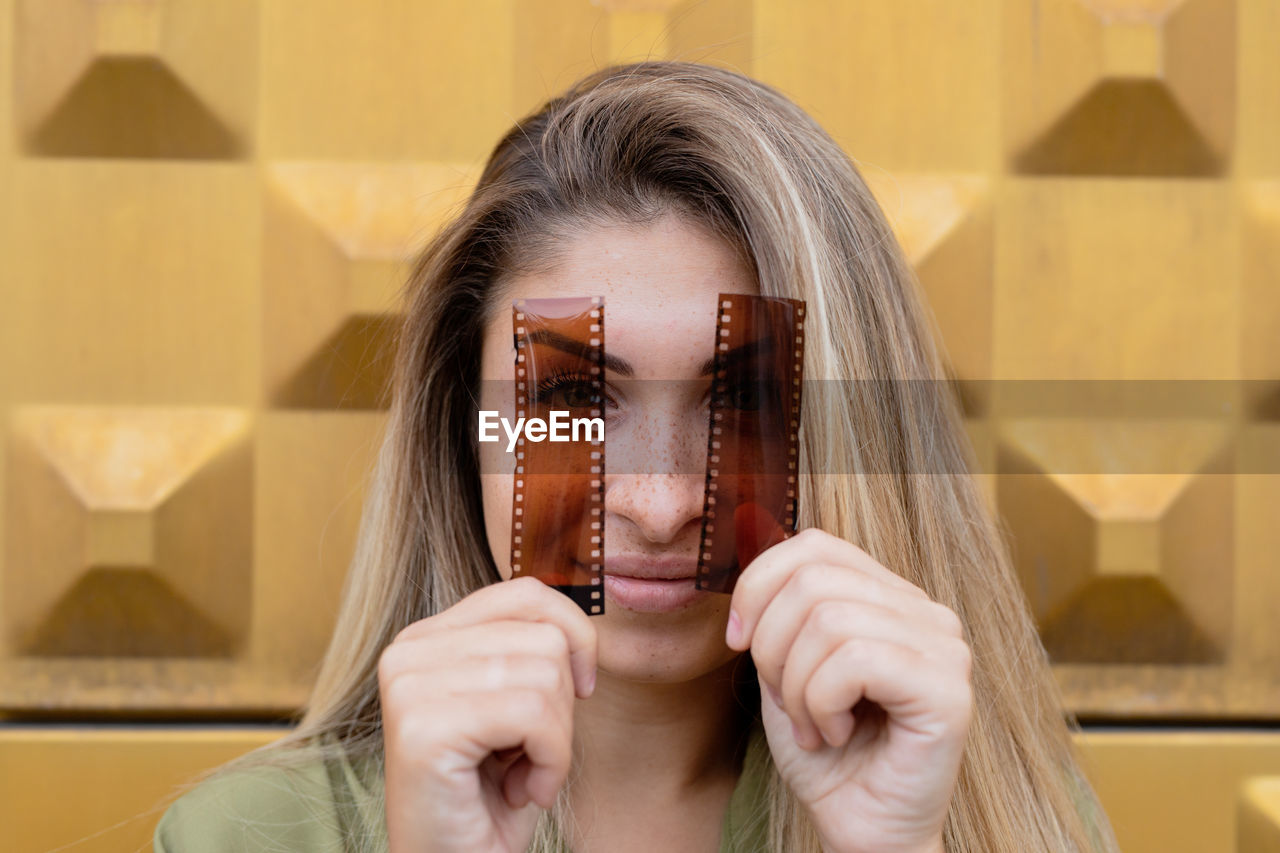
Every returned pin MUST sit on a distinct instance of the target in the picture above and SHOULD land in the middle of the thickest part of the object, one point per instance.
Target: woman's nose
(655, 473)
(661, 506)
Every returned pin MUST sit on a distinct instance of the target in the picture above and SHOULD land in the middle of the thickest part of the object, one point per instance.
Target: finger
(826, 625)
(547, 753)
(543, 782)
(415, 702)
(919, 695)
(472, 726)
(487, 674)
(515, 785)
(769, 572)
(527, 599)
(815, 583)
(501, 637)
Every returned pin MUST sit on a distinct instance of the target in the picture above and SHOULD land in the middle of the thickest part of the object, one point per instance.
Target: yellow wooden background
(206, 207)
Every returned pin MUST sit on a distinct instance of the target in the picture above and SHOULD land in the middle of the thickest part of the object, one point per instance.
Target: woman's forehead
(668, 261)
(665, 335)
(659, 283)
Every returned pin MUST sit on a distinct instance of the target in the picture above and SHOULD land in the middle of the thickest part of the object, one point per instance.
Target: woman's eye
(579, 395)
(568, 393)
(747, 396)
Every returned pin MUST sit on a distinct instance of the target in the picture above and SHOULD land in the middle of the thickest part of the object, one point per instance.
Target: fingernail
(591, 682)
(796, 733)
(774, 695)
(735, 629)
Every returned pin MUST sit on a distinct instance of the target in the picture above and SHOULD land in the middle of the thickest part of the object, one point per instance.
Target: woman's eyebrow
(622, 367)
(582, 350)
(737, 354)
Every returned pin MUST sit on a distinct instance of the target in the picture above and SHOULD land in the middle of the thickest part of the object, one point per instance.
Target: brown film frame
(557, 523)
(749, 501)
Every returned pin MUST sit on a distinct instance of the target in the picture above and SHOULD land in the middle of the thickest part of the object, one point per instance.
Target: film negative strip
(753, 442)
(557, 524)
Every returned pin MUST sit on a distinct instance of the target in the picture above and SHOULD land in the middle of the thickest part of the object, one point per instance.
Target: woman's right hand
(477, 717)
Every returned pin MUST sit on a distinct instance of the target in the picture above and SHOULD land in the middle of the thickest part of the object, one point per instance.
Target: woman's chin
(662, 656)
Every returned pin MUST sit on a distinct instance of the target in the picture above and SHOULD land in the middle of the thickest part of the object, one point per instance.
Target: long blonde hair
(626, 144)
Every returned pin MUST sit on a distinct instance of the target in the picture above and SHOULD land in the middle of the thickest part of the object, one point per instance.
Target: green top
(318, 805)
(321, 803)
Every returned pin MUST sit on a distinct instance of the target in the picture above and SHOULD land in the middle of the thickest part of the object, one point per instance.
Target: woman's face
(659, 284)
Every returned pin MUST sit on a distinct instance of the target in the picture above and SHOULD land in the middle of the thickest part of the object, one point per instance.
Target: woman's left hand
(829, 629)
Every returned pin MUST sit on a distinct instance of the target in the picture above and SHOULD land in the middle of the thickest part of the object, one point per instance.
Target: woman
(907, 704)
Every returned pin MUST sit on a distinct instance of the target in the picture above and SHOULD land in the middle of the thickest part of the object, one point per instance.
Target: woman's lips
(651, 596)
(651, 583)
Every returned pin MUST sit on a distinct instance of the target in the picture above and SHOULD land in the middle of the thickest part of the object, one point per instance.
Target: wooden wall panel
(207, 210)
(874, 75)
(102, 790)
(1259, 816)
(1179, 791)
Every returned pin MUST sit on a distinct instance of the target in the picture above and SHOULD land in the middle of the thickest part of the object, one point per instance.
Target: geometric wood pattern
(1113, 565)
(206, 210)
(161, 516)
(1120, 87)
(944, 223)
(144, 79)
(337, 241)
(1088, 191)
(1203, 570)
(153, 519)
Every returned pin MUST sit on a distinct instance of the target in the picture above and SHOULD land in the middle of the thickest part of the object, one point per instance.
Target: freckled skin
(660, 284)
